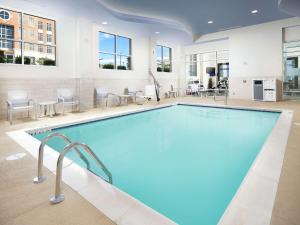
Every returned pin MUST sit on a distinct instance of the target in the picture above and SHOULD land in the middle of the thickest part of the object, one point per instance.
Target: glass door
(291, 60)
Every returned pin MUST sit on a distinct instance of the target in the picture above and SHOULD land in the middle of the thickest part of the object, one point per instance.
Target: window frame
(22, 20)
(7, 40)
(31, 20)
(47, 27)
(8, 13)
(40, 25)
(162, 61)
(40, 36)
(49, 38)
(115, 54)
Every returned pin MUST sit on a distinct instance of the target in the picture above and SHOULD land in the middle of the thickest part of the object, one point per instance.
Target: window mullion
(162, 58)
(115, 36)
(22, 38)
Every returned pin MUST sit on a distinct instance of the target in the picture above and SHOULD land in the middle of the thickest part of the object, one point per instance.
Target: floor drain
(15, 156)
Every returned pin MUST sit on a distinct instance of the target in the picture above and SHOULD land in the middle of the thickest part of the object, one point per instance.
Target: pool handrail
(59, 197)
(40, 178)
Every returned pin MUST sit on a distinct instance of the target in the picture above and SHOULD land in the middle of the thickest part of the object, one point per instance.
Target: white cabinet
(267, 89)
(270, 95)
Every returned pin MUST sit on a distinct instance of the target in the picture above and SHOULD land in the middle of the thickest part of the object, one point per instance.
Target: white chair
(194, 89)
(133, 92)
(19, 101)
(67, 98)
(172, 92)
(147, 96)
(101, 96)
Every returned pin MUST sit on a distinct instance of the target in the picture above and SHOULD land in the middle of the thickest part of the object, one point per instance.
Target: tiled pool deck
(24, 203)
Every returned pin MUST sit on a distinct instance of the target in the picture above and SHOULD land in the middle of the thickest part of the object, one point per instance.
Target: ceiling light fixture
(254, 11)
(104, 23)
(157, 32)
(210, 22)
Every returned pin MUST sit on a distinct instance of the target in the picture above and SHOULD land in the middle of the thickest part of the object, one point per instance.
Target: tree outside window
(163, 58)
(114, 52)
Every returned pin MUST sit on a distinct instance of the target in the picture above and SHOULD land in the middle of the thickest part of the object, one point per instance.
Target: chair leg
(10, 116)
(35, 112)
(54, 109)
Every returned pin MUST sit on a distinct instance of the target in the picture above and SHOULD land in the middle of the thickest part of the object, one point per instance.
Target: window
(49, 49)
(31, 47)
(4, 15)
(49, 38)
(163, 59)
(40, 36)
(20, 41)
(31, 35)
(6, 31)
(6, 36)
(40, 25)
(31, 21)
(114, 52)
(40, 48)
(49, 27)
(209, 69)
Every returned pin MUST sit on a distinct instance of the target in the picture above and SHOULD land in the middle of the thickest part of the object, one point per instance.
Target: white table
(125, 98)
(47, 108)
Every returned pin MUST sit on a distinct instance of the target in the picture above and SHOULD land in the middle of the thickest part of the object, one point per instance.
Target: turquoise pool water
(186, 162)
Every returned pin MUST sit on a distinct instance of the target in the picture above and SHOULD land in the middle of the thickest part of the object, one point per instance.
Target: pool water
(185, 162)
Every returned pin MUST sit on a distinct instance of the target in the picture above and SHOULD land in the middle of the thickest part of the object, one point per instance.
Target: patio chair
(101, 96)
(133, 92)
(194, 89)
(147, 96)
(67, 98)
(172, 92)
(19, 101)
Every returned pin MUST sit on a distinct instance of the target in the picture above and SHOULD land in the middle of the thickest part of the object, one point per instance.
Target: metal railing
(157, 86)
(40, 178)
(59, 197)
(221, 92)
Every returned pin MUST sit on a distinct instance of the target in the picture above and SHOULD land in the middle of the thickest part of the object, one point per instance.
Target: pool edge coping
(137, 206)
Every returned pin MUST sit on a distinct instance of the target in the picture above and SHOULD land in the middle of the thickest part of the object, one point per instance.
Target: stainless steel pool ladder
(40, 178)
(59, 197)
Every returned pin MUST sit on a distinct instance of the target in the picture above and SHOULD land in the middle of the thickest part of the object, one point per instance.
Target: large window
(209, 69)
(163, 59)
(6, 34)
(24, 39)
(114, 52)
(291, 59)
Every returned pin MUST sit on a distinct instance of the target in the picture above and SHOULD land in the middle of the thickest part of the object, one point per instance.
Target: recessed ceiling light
(254, 11)
(104, 23)
(157, 32)
(210, 22)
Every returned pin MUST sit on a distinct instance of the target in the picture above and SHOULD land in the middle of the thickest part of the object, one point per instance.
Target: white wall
(292, 33)
(254, 51)
(77, 57)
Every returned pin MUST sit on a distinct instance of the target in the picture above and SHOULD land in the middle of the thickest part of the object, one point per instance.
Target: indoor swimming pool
(186, 162)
